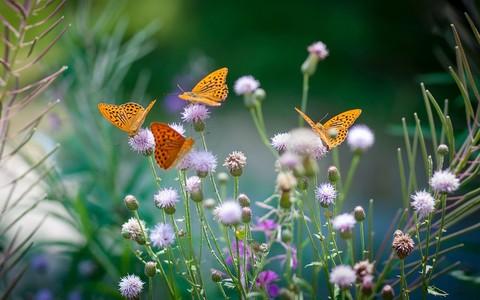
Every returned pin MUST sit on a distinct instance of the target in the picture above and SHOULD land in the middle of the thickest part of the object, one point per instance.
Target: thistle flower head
(305, 142)
(195, 113)
(246, 85)
(402, 244)
(178, 128)
(318, 49)
(343, 276)
(362, 269)
(444, 182)
(423, 203)
(143, 142)
(203, 162)
(235, 162)
(228, 213)
(360, 138)
(166, 198)
(279, 141)
(325, 194)
(130, 286)
(162, 235)
(193, 184)
(132, 230)
(344, 223)
(186, 162)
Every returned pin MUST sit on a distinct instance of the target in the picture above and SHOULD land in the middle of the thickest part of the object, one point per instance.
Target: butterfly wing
(340, 123)
(211, 90)
(128, 116)
(170, 146)
(316, 127)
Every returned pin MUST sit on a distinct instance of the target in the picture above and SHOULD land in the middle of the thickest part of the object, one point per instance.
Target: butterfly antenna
(180, 88)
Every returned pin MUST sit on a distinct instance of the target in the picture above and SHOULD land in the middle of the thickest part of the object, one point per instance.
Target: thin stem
(304, 98)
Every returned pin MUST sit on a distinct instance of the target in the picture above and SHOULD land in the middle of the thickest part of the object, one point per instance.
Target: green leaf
(433, 290)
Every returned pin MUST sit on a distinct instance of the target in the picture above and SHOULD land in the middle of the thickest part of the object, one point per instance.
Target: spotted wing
(211, 90)
(170, 146)
(340, 124)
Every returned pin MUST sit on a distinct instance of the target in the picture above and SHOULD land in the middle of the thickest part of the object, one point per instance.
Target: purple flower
(266, 280)
(195, 113)
(279, 141)
(186, 162)
(325, 194)
(305, 142)
(228, 213)
(132, 230)
(360, 138)
(143, 142)
(423, 203)
(162, 235)
(178, 128)
(166, 198)
(318, 49)
(241, 251)
(344, 223)
(246, 85)
(193, 184)
(343, 276)
(444, 182)
(130, 286)
(203, 162)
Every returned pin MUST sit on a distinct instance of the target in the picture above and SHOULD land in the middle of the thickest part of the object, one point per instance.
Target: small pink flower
(228, 213)
(130, 286)
(143, 142)
(444, 182)
(195, 113)
(162, 235)
(318, 49)
(325, 194)
(245, 85)
(343, 276)
(423, 203)
(360, 138)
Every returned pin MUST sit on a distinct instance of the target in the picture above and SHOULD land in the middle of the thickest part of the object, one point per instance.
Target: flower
(203, 162)
(228, 213)
(343, 276)
(194, 188)
(178, 128)
(402, 244)
(318, 49)
(279, 141)
(130, 286)
(325, 194)
(235, 163)
(359, 213)
(143, 142)
(186, 162)
(132, 230)
(360, 138)
(344, 223)
(367, 284)
(305, 142)
(423, 203)
(245, 85)
(166, 198)
(162, 235)
(444, 182)
(363, 268)
(266, 280)
(292, 161)
(241, 250)
(195, 113)
(388, 292)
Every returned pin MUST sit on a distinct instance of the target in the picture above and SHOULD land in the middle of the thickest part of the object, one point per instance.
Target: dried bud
(131, 202)
(402, 244)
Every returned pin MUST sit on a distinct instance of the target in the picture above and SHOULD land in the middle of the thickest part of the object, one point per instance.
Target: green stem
(304, 98)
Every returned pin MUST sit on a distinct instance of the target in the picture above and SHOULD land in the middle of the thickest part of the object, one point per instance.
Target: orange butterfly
(128, 117)
(211, 90)
(170, 146)
(336, 126)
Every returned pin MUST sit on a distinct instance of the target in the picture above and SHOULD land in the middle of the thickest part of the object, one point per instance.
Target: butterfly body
(211, 90)
(128, 117)
(334, 131)
(170, 146)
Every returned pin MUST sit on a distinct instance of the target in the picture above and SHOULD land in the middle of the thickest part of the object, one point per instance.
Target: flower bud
(170, 210)
(216, 275)
(387, 292)
(243, 200)
(140, 239)
(131, 202)
(287, 236)
(333, 174)
(264, 248)
(285, 200)
(150, 269)
(222, 178)
(198, 126)
(259, 94)
(442, 149)
(209, 203)
(359, 213)
(302, 183)
(246, 214)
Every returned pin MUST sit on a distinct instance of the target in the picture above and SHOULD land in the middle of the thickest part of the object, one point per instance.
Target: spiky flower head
(343, 276)
(360, 138)
(344, 223)
(162, 235)
(132, 230)
(363, 268)
(166, 199)
(235, 162)
(178, 128)
(305, 142)
(402, 244)
(196, 114)
(325, 194)
(279, 141)
(317, 51)
(203, 162)
(143, 142)
(423, 203)
(130, 287)
(246, 85)
(444, 182)
(228, 213)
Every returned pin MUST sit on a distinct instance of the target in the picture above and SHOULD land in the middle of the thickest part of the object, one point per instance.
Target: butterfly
(128, 117)
(336, 126)
(170, 146)
(211, 90)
